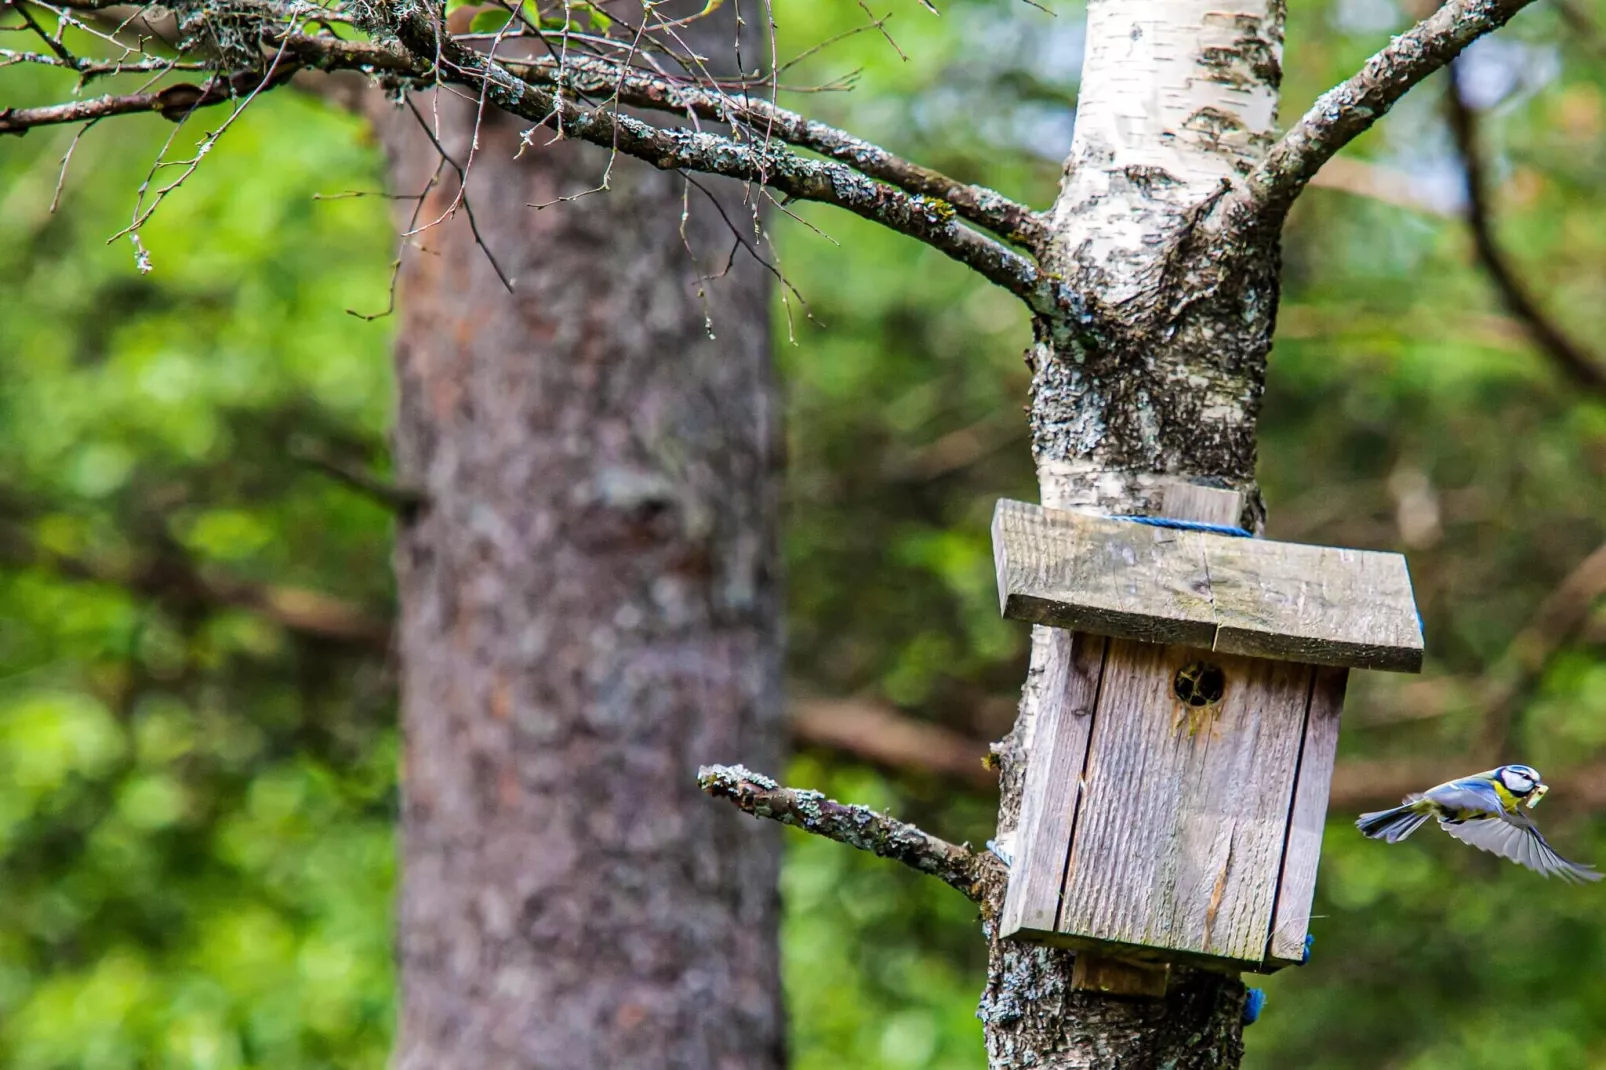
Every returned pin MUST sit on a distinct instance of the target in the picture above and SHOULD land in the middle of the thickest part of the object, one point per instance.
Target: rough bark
(588, 609)
(1156, 379)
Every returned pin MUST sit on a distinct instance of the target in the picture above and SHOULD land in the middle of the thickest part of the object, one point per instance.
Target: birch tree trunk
(1159, 382)
(589, 605)
(588, 593)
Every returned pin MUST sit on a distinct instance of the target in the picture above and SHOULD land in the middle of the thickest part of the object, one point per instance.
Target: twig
(857, 826)
(977, 204)
(401, 500)
(1346, 111)
(52, 43)
(924, 218)
(461, 197)
(902, 196)
(171, 574)
(1583, 367)
(174, 102)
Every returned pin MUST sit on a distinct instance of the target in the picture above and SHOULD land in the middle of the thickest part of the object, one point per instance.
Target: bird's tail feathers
(1392, 826)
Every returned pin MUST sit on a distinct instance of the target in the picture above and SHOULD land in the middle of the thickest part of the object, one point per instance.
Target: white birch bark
(1159, 381)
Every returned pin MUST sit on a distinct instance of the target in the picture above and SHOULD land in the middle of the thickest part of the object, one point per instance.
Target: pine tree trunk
(589, 608)
(1159, 382)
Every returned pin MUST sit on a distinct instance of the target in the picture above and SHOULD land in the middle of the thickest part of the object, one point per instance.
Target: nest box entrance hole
(1187, 718)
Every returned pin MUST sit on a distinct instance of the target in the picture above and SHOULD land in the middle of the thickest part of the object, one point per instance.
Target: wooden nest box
(1182, 750)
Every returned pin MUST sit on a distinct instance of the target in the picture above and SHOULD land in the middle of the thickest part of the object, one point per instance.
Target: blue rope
(1254, 1003)
(1187, 525)
(1309, 940)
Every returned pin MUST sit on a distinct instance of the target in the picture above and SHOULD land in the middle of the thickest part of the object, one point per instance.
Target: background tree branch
(1578, 363)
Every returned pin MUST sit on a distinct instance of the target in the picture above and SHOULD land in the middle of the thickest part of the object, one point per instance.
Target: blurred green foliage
(196, 801)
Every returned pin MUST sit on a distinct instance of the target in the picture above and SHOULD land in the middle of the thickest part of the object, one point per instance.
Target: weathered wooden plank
(1312, 604)
(1178, 840)
(1110, 577)
(1316, 604)
(1209, 505)
(1297, 888)
(1053, 774)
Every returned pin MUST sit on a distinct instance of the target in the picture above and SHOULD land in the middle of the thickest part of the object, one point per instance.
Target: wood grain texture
(1178, 840)
(1317, 604)
(1208, 505)
(1297, 886)
(1291, 602)
(1053, 773)
(1110, 577)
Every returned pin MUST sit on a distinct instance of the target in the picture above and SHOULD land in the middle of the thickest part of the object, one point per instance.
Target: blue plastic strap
(1254, 1003)
(1309, 940)
(1187, 525)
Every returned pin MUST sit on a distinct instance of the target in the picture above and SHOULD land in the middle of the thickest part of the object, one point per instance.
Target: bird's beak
(1538, 793)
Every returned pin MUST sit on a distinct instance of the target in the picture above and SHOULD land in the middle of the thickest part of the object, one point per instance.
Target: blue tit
(1489, 812)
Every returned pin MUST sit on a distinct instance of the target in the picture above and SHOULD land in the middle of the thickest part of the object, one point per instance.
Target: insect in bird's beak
(1537, 794)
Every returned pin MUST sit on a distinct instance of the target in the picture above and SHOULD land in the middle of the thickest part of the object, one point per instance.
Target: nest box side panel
(1058, 751)
(1178, 841)
(1297, 889)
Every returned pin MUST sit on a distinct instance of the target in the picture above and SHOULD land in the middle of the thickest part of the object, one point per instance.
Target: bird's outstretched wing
(1519, 840)
(1468, 795)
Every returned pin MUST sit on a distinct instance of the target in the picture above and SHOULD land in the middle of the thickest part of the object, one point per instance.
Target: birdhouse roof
(1316, 604)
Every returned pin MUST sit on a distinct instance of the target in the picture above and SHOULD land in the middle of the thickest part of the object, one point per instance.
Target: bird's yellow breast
(1508, 801)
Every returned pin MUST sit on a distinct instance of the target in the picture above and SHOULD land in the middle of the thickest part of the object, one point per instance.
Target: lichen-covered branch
(856, 826)
(1347, 110)
(172, 102)
(768, 163)
(414, 48)
(976, 204)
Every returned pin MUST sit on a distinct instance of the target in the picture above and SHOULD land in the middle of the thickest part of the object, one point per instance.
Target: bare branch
(174, 102)
(977, 204)
(924, 218)
(1583, 367)
(403, 501)
(856, 826)
(1346, 111)
(168, 574)
(858, 176)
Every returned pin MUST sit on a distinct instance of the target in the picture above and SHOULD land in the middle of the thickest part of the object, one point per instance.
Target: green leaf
(490, 21)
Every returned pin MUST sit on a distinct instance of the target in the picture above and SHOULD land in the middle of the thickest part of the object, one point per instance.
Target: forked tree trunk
(1159, 382)
(588, 608)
